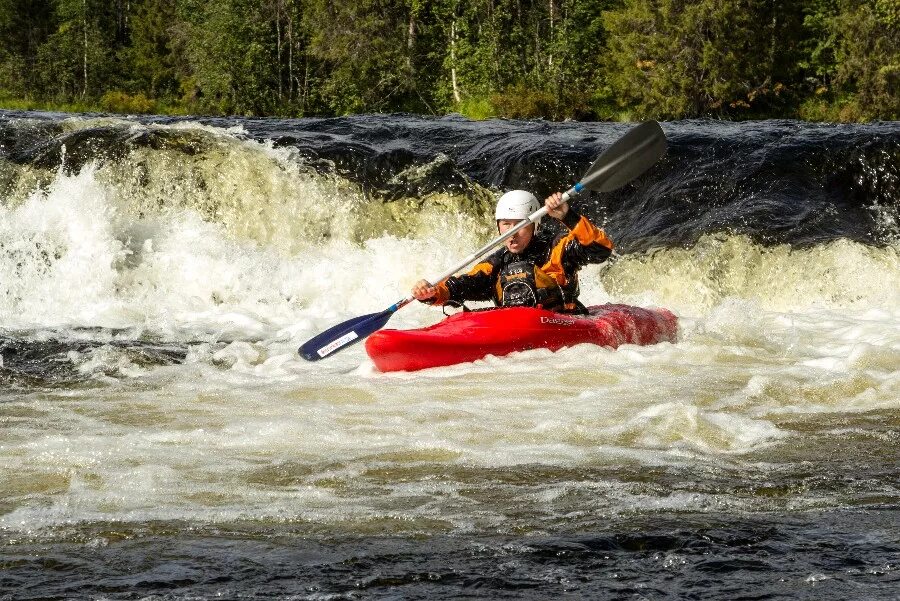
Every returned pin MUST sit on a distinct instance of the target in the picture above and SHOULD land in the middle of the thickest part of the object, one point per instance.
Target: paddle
(628, 157)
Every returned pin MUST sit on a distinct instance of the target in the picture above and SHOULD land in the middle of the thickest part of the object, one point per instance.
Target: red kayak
(473, 335)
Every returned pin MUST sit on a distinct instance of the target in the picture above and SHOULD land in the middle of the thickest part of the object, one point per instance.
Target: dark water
(810, 555)
(49, 364)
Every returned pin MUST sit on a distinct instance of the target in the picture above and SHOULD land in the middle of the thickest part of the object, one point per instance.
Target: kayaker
(530, 270)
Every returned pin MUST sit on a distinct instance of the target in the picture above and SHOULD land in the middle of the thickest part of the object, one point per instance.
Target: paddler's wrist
(571, 218)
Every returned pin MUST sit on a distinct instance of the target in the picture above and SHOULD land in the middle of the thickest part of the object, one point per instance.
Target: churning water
(160, 438)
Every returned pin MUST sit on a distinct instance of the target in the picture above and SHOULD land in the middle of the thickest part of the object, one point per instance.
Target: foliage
(153, 56)
(551, 59)
(677, 59)
(359, 48)
(119, 102)
(852, 58)
(476, 108)
(868, 58)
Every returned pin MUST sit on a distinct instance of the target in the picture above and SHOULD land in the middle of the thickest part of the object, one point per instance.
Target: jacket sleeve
(476, 285)
(584, 243)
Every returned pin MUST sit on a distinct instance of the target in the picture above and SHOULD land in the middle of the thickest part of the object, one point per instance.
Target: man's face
(518, 241)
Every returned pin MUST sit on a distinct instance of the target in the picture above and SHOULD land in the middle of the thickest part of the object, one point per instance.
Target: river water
(161, 439)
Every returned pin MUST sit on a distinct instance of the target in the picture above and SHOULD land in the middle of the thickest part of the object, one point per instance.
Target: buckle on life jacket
(517, 286)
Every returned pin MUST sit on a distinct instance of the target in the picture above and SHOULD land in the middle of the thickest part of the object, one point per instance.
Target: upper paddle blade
(343, 334)
(627, 158)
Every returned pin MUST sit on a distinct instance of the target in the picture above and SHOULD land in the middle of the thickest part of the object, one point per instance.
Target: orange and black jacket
(549, 266)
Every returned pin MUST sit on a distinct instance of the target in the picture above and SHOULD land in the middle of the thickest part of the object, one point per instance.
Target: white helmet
(517, 205)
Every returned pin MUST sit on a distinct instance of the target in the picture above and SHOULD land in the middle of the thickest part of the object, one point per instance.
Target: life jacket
(524, 284)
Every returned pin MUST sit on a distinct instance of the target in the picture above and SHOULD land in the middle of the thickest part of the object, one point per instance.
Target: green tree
(468, 53)
(530, 58)
(867, 53)
(817, 44)
(153, 57)
(229, 46)
(78, 59)
(24, 25)
(676, 59)
(364, 53)
(11, 67)
(575, 61)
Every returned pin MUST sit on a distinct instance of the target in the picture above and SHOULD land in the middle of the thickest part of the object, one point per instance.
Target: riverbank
(117, 105)
(812, 112)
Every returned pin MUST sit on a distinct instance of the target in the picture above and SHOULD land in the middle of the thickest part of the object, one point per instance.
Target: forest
(818, 60)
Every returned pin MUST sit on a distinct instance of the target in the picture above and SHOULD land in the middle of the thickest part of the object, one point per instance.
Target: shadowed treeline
(555, 59)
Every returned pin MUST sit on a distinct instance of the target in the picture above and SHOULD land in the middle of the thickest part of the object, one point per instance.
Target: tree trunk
(122, 8)
(290, 35)
(85, 31)
(305, 83)
(456, 96)
(552, 19)
(278, 49)
(411, 42)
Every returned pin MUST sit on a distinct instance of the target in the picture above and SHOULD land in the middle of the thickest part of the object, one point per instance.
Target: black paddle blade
(343, 335)
(630, 156)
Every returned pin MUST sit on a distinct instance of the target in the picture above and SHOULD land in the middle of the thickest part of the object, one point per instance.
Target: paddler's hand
(423, 291)
(556, 206)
